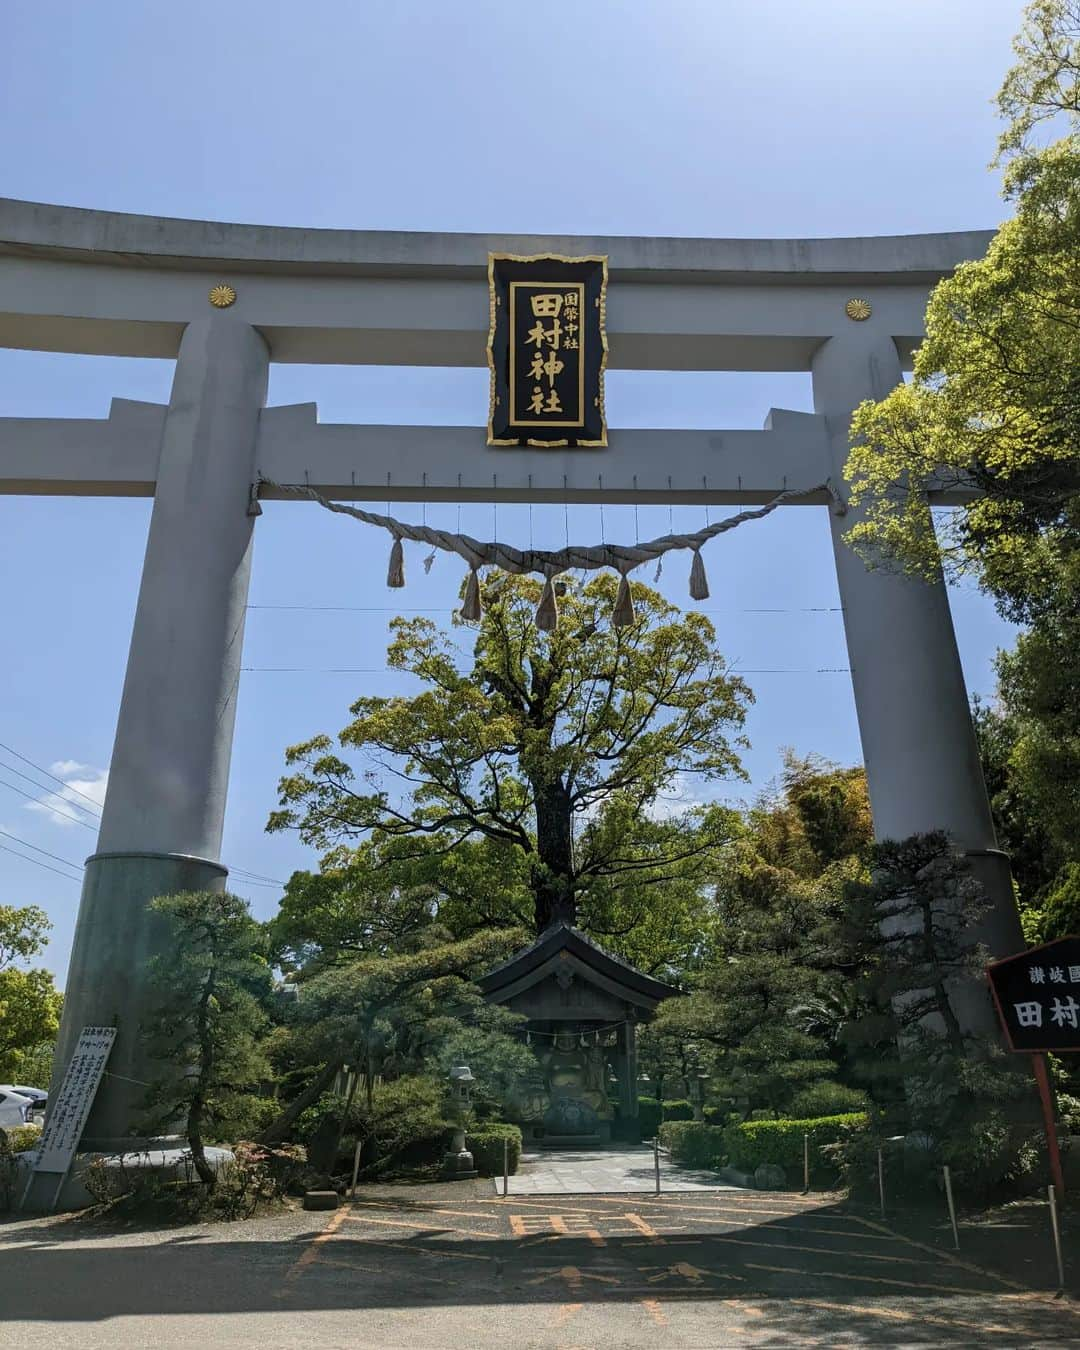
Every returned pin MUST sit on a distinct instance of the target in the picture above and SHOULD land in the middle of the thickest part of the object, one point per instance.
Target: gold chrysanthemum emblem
(858, 310)
(222, 296)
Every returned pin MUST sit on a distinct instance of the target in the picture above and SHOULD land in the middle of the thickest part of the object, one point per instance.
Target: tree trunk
(204, 1075)
(280, 1125)
(552, 874)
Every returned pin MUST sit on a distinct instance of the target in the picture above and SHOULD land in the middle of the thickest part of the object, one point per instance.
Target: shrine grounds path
(454, 1266)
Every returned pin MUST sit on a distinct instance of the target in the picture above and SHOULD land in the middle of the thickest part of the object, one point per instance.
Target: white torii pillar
(922, 760)
(165, 805)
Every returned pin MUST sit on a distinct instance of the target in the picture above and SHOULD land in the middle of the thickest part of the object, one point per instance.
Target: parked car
(37, 1095)
(15, 1109)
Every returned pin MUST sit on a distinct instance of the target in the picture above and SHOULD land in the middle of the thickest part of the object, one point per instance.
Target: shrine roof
(562, 941)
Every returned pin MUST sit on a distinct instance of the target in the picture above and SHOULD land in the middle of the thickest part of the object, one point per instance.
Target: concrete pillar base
(109, 978)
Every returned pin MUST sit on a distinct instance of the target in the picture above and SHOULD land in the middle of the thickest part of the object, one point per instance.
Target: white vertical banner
(67, 1115)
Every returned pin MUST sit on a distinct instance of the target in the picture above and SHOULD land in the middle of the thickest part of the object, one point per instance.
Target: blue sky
(723, 118)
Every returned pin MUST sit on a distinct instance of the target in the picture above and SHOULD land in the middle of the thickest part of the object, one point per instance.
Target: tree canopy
(536, 774)
(29, 1002)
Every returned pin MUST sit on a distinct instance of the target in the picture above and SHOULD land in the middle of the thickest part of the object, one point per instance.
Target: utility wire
(389, 670)
(47, 790)
(55, 857)
(47, 774)
(256, 878)
(16, 854)
(12, 788)
(396, 609)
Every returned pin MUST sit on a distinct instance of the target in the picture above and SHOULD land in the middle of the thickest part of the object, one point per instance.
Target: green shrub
(693, 1143)
(781, 1141)
(648, 1116)
(22, 1138)
(485, 1143)
(680, 1109)
(826, 1099)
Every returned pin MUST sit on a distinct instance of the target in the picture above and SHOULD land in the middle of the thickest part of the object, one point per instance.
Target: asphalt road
(460, 1269)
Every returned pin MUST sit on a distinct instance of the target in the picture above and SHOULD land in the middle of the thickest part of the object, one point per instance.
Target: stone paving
(621, 1169)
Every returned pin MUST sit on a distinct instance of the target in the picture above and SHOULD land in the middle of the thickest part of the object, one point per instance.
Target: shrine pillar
(164, 809)
(922, 759)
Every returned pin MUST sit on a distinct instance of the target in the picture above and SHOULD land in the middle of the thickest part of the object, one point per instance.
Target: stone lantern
(458, 1161)
(696, 1085)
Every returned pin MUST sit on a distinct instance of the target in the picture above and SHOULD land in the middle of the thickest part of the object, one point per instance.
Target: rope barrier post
(881, 1179)
(506, 1166)
(806, 1163)
(656, 1161)
(1051, 1195)
(952, 1208)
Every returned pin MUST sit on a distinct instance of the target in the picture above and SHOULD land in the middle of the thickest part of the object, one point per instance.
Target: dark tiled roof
(562, 936)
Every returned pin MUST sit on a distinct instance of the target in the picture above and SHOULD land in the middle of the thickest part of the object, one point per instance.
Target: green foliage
(22, 1138)
(1061, 907)
(205, 1024)
(827, 1099)
(692, 1143)
(649, 1117)
(406, 1125)
(753, 1142)
(589, 723)
(678, 1109)
(773, 990)
(29, 1003)
(485, 1143)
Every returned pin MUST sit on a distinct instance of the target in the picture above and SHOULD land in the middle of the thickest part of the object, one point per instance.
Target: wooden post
(506, 1166)
(806, 1163)
(1052, 1197)
(952, 1207)
(656, 1161)
(881, 1178)
(1038, 1063)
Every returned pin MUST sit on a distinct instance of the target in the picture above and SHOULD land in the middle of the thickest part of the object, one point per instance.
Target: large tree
(29, 1002)
(994, 409)
(556, 752)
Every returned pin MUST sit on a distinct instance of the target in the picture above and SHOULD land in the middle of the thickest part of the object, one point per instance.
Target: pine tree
(207, 1021)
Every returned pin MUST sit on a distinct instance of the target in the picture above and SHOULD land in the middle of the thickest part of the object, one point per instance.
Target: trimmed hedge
(679, 1109)
(781, 1141)
(648, 1116)
(826, 1099)
(694, 1143)
(20, 1138)
(485, 1143)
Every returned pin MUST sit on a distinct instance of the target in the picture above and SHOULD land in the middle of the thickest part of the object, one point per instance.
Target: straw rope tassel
(623, 616)
(547, 611)
(471, 608)
(699, 582)
(395, 573)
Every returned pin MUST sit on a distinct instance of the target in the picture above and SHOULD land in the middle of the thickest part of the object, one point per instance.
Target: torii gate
(124, 285)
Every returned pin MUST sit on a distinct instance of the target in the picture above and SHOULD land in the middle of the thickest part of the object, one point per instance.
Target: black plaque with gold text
(547, 350)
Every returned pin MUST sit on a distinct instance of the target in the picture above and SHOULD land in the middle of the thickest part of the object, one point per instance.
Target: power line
(47, 774)
(388, 670)
(396, 609)
(37, 802)
(16, 854)
(55, 857)
(47, 790)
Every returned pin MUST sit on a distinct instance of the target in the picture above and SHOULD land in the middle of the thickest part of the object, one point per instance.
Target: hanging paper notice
(67, 1116)
(547, 349)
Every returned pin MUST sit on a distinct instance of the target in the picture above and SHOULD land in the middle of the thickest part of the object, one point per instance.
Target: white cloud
(84, 787)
